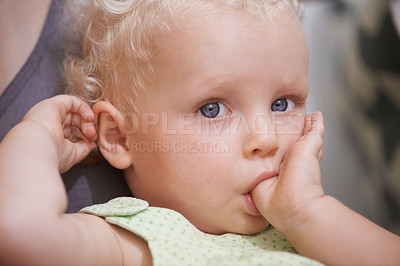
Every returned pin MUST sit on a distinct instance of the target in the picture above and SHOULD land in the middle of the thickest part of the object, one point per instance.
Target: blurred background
(354, 72)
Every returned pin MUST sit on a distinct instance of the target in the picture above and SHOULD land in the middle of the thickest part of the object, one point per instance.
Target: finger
(84, 119)
(313, 133)
(83, 148)
(86, 129)
(72, 104)
(317, 123)
(89, 131)
(72, 119)
(77, 152)
(307, 124)
(314, 124)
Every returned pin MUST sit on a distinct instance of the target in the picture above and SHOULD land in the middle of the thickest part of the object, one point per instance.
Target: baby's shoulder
(134, 249)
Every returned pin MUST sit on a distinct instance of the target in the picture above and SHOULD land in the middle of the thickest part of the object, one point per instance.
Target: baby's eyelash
(297, 99)
(211, 100)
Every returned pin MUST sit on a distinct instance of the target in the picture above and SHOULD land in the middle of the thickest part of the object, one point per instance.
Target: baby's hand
(70, 121)
(288, 199)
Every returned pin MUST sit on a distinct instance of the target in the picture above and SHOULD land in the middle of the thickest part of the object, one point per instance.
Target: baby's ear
(112, 139)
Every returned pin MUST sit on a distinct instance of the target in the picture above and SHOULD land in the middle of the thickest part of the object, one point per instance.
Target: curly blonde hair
(119, 40)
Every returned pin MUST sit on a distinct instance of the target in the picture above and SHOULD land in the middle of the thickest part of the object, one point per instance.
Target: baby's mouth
(251, 206)
(248, 199)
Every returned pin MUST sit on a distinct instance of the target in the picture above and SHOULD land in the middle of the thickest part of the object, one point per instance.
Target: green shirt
(173, 240)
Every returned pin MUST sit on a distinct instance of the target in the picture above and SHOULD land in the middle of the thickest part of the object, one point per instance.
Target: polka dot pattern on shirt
(173, 240)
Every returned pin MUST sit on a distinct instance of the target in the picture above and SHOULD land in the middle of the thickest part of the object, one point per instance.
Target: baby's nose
(262, 139)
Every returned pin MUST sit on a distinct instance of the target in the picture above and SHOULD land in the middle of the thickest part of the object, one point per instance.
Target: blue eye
(212, 110)
(282, 105)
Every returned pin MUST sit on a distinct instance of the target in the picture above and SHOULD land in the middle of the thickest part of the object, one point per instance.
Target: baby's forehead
(193, 20)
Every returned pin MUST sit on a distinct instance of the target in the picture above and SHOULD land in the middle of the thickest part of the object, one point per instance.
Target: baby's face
(227, 104)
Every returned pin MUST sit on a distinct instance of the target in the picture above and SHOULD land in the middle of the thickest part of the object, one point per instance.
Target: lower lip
(251, 207)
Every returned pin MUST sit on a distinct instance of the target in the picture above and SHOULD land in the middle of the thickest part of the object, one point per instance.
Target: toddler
(202, 104)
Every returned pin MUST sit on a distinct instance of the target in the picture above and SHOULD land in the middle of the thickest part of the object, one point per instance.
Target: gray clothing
(41, 77)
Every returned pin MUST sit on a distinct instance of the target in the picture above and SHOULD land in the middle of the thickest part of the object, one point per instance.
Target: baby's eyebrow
(204, 88)
(296, 87)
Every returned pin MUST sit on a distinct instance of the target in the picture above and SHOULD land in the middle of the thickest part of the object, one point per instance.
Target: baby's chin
(252, 227)
(254, 230)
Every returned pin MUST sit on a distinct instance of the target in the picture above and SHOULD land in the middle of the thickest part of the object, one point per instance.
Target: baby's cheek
(291, 132)
(290, 126)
